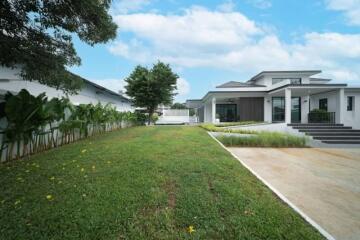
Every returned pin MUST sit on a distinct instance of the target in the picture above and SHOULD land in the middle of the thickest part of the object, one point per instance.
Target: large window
(350, 103)
(226, 112)
(292, 80)
(323, 104)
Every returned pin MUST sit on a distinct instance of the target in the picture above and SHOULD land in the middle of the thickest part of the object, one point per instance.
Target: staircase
(329, 133)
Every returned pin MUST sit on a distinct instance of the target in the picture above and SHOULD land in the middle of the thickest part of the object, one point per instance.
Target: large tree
(150, 87)
(37, 36)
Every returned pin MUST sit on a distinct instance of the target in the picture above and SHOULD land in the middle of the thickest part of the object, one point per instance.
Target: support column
(341, 106)
(213, 110)
(287, 105)
(305, 108)
(267, 109)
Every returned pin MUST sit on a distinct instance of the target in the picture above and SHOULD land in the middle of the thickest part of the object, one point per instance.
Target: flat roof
(310, 72)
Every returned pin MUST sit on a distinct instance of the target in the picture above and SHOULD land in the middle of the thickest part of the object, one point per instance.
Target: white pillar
(267, 109)
(287, 105)
(341, 106)
(305, 109)
(213, 110)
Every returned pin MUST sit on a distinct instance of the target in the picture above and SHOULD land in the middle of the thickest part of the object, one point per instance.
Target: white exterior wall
(88, 94)
(332, 100)
(352, 118)
(207, 112)
(268, 109)
(304, 109)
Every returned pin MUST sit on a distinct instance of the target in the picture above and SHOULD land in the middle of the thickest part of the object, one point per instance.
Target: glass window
(278, 109)
(292, 80)
(323, 104)
(226, 112)
(350, 103)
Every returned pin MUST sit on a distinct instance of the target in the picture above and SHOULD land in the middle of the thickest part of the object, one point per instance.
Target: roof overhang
(306, 73)
(307, 89)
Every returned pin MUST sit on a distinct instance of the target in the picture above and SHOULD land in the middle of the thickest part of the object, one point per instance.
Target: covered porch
(289, 104)
(294, 104)
(234, 107)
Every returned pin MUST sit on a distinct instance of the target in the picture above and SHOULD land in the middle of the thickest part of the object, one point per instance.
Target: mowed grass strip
(141, 183)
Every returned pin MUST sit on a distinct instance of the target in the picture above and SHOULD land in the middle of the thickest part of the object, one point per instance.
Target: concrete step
(329, 130)
(337, 138)
(341, 141)
(321, 127)
(333, 133)
(315, 124)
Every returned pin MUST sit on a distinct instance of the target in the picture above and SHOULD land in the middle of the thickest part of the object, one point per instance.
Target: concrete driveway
(322, 183)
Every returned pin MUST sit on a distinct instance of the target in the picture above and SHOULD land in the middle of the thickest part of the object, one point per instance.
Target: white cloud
(113, 84)
(229, 40)
(126, 6)
(183, 87)
(351, 9)
(262, 4)
(227, 6)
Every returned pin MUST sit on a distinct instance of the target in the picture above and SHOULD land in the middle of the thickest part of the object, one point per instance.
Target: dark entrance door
(295, 109)
(226, 112)
(278, 109)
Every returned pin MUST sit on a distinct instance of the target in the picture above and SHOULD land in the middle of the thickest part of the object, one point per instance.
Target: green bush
(264, 139)
(154, 118)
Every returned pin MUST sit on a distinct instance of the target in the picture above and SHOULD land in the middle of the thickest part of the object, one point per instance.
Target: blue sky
(211, 42)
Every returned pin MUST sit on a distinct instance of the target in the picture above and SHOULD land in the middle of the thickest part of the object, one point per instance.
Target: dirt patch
(170, 188)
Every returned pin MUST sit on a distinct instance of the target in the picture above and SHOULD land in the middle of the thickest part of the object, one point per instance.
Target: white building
(280, 96)
(11, 81)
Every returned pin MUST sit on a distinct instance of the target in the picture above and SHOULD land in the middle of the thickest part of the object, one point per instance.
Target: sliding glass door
(278, 109)
(226, 112)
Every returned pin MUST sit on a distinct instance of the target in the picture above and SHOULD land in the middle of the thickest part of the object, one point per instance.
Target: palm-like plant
(32, 121)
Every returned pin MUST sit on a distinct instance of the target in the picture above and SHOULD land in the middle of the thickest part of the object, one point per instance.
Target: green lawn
(141, 183)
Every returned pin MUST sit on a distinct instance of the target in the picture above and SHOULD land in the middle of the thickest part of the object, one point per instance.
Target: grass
(264, 139)
(141, 183)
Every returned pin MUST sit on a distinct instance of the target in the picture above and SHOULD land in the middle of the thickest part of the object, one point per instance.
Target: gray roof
(233, 84)
(310, 72)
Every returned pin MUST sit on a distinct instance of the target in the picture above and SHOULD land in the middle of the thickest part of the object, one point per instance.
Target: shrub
(264, 139)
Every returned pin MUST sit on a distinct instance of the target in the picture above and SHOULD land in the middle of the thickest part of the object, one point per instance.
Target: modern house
(281, 96)
(90, 93)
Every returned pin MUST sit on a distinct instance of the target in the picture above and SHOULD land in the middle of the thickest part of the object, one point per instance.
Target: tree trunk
(151, 112)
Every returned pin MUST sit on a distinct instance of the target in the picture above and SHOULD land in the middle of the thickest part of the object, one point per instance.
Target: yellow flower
(93, 167)
(191, 229)
(49, 197)
(82, 169)
(83, 151)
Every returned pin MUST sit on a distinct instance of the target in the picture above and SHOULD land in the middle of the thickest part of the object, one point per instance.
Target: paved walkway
(323, 183)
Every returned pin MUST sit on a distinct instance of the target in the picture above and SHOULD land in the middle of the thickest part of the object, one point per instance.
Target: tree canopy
(178, 106)
(37, 36)
(150, 87)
